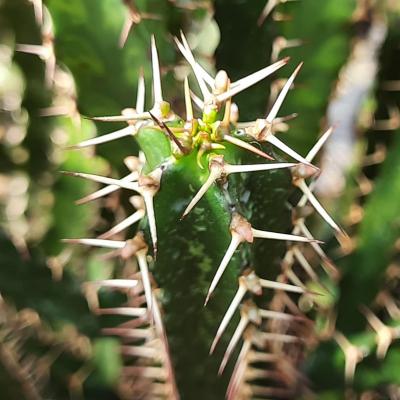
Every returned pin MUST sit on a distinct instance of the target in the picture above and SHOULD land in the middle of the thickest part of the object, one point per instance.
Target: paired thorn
(204, 79)
(262, 131)
(103, 179)
(281, 43)
(215, 174)
(326, 263)
(205, 75)
(300, 183)
(239, 369)
(46, 53)
(392, 123)
(286, 149)
(246, 146)
(279, 101)
(353, 355)
(251, 313)
(147, 186)
(219, 169)
(242, 231)
(244, 320)
(268, 8)
(201, 75)
(250, 80)
(132, 19)
(126, 223)
(242, 290)
(234, 244)
(385, 335)
(317, 146)
(197, 101)
(133, 176)
(138, 247)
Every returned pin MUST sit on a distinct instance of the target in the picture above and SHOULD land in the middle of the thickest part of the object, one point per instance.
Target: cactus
(212, 286)
(199, 217)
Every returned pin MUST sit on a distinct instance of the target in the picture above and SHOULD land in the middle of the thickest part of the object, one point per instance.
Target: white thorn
(141, 92)
(156, 73)
(197, 101)
(126, 28)
(250, 80)
(110, 244)
(238, 371)
(286, 149)
(269, 6)
(127, 222)
(279, 236)
(107, 189)
(317, 205)
(129, 130)
(302, 227)
(316, 148)
(144, 270)
(231, 169)
(148, 199)
(50, 69)
(198, 71)
(244, 320)
(158, 323)
(122, 118)
(35, 49)
(247, 146)
(268, 314)
(38, 10)
(107, 181)
(214, 175)
(140, 351)
(188, 101)
(229, 313)
(305, 264)
(278, 103)
(115, 283)
(235, 241)
(280, 286)
(352, 354)
(270, 336)
(385, 334)
(205, 75)
(293, 278)
(125, 311)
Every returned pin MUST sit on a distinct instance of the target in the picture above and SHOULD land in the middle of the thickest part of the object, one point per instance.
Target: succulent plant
(210, 187)
(214, 285)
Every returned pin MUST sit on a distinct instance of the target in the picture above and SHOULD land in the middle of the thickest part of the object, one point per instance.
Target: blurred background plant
(61, 61)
